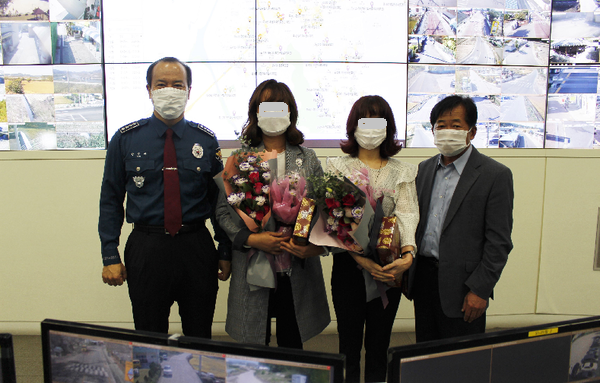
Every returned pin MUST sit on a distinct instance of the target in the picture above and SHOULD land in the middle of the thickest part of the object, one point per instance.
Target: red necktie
(172, 195)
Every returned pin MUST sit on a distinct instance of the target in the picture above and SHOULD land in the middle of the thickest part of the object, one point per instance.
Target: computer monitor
(7, 360)
(75, 351)
(72, 351)
(557, 352)
(221, 362)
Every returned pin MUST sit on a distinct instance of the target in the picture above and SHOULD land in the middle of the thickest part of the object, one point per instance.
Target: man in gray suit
(465, 203)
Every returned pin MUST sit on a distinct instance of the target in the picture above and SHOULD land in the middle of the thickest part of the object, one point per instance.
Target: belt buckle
(178, 231)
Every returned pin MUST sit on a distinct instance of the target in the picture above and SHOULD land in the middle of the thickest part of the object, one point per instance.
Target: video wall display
(74, 71)
(51, 80)
(330, 53)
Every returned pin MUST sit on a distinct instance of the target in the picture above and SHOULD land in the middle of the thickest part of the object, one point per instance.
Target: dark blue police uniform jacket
(133, 166)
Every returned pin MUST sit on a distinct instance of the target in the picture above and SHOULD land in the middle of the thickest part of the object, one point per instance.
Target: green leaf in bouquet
(329, 185)
(246, 187)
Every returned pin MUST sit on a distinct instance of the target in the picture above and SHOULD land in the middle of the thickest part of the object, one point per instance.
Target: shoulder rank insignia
(133, 125)
(204, 129)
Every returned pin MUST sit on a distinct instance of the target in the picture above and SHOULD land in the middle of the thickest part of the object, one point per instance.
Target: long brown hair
(371, 106)
(273, 92)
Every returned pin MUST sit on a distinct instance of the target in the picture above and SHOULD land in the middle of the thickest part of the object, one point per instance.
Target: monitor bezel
(337, 361)
(395, 354)
(110, 333)
(7, 359)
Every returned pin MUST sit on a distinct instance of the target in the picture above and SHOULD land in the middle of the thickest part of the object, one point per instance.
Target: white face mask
(450, 142)
(370, 138)
(169, 102)
(371, 132)
(273, 126)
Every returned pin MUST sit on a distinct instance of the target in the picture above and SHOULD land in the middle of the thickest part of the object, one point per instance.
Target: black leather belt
(191, 228)
(431, 261)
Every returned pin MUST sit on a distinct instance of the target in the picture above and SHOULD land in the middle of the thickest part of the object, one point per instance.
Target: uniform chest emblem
(197, 151)
(139, 181)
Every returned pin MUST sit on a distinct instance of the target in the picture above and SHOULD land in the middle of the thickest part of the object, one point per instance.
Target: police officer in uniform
(165, 160)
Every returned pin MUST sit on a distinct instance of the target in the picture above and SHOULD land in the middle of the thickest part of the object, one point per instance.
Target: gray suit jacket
(247, 310)
(475, 239)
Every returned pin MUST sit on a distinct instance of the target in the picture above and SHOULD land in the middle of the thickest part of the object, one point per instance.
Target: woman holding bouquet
(299, 301)
(358, 281)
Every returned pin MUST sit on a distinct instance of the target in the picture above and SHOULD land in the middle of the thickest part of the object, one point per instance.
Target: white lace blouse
(397, 182)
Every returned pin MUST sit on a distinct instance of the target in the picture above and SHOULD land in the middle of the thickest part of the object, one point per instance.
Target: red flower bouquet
(343, 207)
(247, 176)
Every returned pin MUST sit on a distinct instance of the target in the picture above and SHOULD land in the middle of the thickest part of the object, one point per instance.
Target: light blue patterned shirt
(444, 184)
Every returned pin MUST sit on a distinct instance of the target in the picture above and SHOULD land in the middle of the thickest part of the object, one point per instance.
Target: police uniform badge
(197, 151)
(219, 156)
(139, 181)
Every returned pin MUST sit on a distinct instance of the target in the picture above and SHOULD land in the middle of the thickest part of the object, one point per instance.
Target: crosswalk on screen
(74, 71)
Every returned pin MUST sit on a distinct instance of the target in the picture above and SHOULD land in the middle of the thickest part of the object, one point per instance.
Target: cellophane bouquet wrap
(245, 182)
(385, 230)
(384, 233)
(344, 213)
(287, 194)
(360, 178)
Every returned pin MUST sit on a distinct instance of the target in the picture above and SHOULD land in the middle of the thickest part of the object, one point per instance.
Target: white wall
(50, 263)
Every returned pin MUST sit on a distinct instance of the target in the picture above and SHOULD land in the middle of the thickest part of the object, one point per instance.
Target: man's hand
(373, 268)
(114, 275)
(267, 241)
(303, 252)
(225, 267)
(473, 306)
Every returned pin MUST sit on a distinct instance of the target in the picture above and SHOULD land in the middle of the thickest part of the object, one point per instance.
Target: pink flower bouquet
(286, 197)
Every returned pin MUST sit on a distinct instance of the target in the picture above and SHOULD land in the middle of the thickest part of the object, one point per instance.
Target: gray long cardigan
(247, 310)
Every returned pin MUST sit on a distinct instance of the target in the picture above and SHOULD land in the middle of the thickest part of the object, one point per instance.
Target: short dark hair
(450, 103)
(277, 92)
(188, 70)
(371, 106)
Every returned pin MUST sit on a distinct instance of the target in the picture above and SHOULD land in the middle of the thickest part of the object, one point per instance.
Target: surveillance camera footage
(74, 71)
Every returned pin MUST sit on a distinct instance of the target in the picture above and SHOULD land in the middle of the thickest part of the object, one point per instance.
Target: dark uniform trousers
(430, 321)
(162, 269)
(353, 311)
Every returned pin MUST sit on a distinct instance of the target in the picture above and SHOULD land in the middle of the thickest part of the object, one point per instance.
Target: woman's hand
(267, 241)
(303, 252)
(399, 266)
(378, 273)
